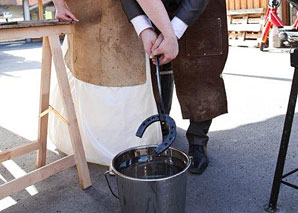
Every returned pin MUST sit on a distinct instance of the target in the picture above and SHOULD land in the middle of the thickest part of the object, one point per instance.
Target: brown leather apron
(203, 51)
(105, 49)
(197, 70)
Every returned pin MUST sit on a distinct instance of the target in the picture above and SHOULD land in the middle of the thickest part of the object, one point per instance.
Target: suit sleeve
(132, 9)
(190, 10)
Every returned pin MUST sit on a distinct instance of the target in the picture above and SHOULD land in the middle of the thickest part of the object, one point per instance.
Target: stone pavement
(243, 144)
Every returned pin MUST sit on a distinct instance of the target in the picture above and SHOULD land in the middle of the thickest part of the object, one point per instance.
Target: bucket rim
(116, 172)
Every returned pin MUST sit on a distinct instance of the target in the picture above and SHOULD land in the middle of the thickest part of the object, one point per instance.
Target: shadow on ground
(18, 63)
(238, 179)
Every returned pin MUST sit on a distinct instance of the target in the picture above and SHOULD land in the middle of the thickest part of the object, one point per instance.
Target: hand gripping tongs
(162, 117)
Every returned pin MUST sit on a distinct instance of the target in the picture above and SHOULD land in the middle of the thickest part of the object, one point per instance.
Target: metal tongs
(162, 117)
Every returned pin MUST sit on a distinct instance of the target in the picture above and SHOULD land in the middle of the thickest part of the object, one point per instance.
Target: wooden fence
(245, 21)
(246, 4)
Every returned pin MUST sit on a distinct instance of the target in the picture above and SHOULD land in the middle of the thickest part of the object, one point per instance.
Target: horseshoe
(162, 117)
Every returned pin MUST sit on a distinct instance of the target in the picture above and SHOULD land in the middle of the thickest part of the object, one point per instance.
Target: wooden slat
(285, 12)
(229, 20)
(247, 43)
(73, 126)
(250, 4)
(245, 27)
(245, 19)
(52, 109)
(45, 84)
(256, 20)
(246, 11)
(33, 32)
(233, 35)
(237, 20)
(253, 36)
(40, 9)
(27, 24)
(242, 36)
(243, 4)
(264, 4)
(237, 5)
(256, 3)
(232, 4)
(35, 176)
(18, 151)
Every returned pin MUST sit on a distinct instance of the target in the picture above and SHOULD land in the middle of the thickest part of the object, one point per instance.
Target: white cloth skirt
(108, 118)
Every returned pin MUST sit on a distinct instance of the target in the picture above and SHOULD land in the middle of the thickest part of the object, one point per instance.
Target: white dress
(108, 117)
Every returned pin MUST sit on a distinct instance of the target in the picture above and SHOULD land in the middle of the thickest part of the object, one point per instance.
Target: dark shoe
(200, 159)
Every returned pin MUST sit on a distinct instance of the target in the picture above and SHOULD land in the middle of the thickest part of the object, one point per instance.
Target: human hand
(166, 47)
(158, 41)
(63, 13)
(148, 37)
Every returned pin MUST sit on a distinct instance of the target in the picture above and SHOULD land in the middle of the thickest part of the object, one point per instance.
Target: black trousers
(197, 132)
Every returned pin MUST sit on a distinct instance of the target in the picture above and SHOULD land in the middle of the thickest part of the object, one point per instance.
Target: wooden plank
(40, 10)
(73, 126)
(256, 3)
(285, 12)
(227, 4)
(252, 36)
(237, 20)
(237, 5)
(250, 4)
(242, 36)
(71, 42)
(18, 151)
(245, 19)
(232, 4)
(247, 43)
(45, 84)
(243, 4)
(36, 176)
(264, 4)
(26, 24)
(52, 109)
(33, 32)
(255, 20)
(229, 19)
(246, 11)
(245, 27)
(233, 35)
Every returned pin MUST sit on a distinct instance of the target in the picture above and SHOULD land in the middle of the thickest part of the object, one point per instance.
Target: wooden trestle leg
(45, 84)
(73, 126)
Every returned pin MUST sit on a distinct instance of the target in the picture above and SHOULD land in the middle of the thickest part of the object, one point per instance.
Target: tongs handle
(161, 106)
(162, 117)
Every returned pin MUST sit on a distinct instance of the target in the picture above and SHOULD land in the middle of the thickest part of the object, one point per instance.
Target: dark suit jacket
(203, 51)
(186, 10)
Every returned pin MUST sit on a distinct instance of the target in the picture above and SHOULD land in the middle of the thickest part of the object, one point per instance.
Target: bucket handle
(108, 182)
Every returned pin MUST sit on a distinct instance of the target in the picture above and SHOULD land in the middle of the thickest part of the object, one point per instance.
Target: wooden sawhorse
(50, 31)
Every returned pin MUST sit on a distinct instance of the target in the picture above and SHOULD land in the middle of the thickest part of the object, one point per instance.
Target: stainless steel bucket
(148, 183)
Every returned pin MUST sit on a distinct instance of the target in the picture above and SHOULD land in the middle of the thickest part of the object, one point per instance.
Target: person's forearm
(155, 10)
(59, 3)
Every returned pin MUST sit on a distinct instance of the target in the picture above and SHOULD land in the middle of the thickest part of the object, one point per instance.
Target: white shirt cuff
(141, 23)
(179, 27)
